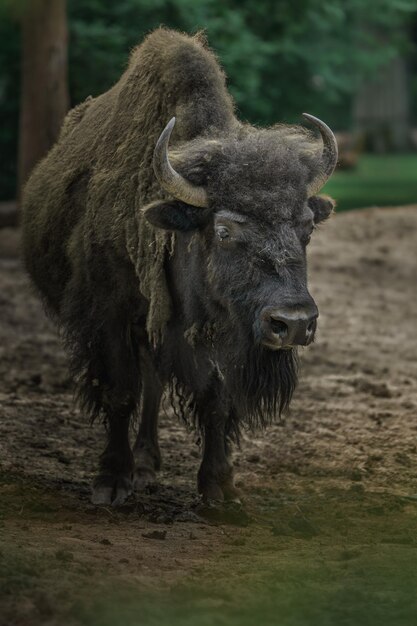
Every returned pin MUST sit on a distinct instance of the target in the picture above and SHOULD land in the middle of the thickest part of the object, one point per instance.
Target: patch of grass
(386, 180)
(316, 592)
(356, 569)
(26, 499)
(314, 589)
(33, 587)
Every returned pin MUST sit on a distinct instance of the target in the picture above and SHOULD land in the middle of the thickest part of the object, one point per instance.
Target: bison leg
(146, 449)
(215, 476)
(113, 484)
(112, 389)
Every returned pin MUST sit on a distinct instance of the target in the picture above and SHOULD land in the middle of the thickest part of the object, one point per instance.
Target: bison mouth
(275, 348)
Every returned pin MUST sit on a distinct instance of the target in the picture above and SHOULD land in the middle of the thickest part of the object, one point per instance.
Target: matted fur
(260, 389)
(263, 386)
(95, 180)
(81, 207)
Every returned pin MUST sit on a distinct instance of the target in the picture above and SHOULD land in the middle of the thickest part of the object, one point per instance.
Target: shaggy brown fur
(97, 177)
(132, 298)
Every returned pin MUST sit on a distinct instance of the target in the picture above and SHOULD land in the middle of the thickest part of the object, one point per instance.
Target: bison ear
(176, 215)
(322, 207)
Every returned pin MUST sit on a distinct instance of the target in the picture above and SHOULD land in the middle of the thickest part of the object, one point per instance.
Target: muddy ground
(328, 531)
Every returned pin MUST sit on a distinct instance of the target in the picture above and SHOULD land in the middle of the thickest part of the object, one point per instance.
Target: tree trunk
(44, 92)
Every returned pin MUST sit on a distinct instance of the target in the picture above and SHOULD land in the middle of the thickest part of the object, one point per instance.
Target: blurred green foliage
(282, 57)
(378, 180)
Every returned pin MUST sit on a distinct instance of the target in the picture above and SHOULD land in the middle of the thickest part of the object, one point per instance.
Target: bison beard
(259, 384)
(261, 388)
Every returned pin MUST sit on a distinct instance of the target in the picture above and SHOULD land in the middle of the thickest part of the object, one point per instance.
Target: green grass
(389, 180)
(370, 585)
(359, 569)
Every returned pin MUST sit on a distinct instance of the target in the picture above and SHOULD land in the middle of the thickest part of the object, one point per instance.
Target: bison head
(251, 199)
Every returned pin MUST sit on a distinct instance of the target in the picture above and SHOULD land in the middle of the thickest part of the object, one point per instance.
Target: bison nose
(283, 328)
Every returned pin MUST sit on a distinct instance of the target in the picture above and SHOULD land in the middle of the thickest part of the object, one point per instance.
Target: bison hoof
(148, 462)
(220, 492)
(111, 490)
(144, 479)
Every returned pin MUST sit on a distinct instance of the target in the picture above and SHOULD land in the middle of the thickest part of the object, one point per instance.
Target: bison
(172, 257)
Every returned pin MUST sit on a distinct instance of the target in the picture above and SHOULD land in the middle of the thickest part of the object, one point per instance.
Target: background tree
(44, 97)
(282, 57)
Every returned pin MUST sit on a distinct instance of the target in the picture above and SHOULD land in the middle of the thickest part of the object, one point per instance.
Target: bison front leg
(113, 483)
(146, 449)
(111, 388)
(215, 476)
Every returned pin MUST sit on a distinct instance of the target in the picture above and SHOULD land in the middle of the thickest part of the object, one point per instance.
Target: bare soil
(328, 530)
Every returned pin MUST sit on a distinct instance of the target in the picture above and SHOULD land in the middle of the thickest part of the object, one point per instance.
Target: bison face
(246, 197)
(257, 273)
(255, 269)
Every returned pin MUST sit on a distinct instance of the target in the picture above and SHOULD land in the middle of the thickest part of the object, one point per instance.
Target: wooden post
(44, 90)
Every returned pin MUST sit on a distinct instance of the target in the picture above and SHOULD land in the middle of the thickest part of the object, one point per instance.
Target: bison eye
(222, 233)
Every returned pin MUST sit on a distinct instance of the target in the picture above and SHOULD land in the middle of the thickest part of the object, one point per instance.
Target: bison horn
(329, 154)
(169, 179)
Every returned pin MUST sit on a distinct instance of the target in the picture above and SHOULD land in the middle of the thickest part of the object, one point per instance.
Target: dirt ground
(328, 530)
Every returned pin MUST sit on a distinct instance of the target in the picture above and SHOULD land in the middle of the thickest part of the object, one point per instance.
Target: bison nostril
(278, 327)
(311, 326)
